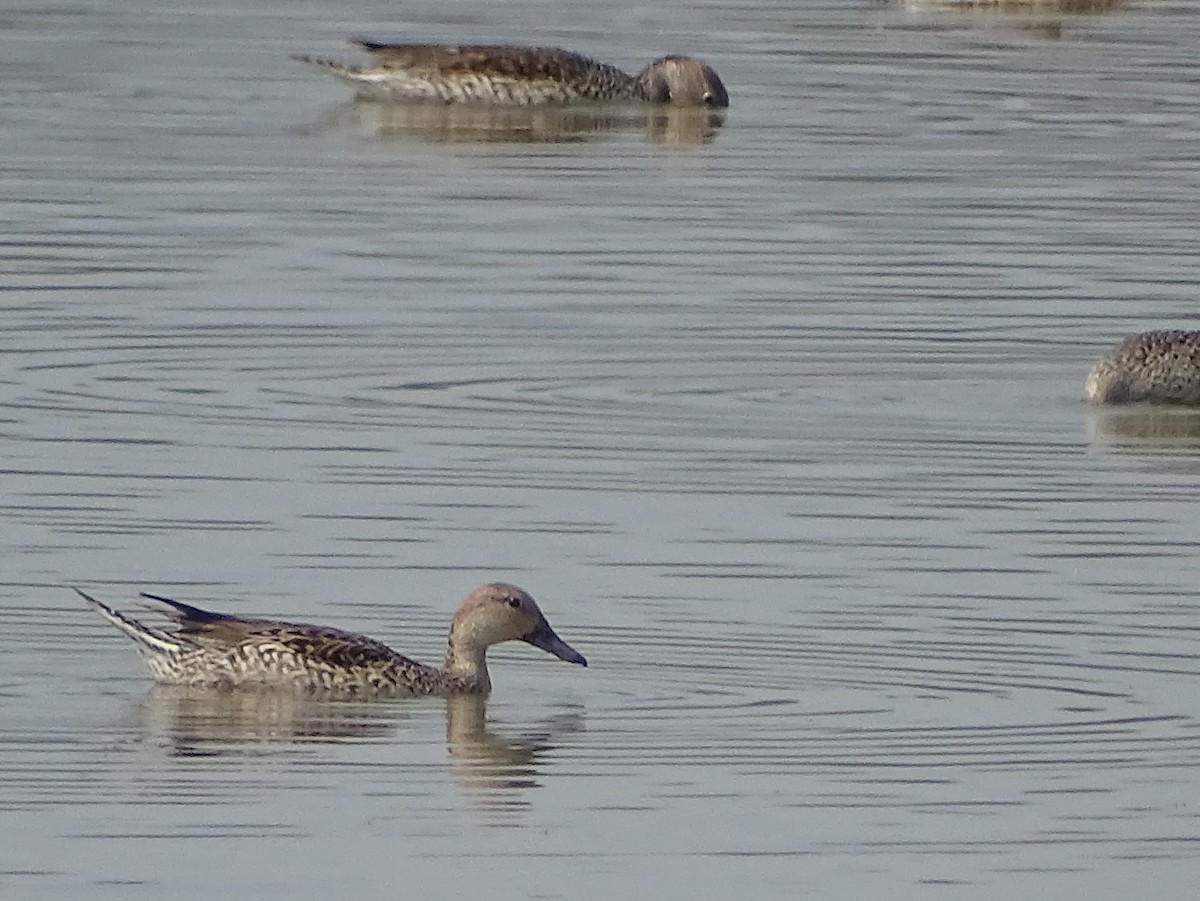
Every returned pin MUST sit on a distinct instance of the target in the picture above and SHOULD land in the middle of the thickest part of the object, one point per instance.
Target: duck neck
(466, 665)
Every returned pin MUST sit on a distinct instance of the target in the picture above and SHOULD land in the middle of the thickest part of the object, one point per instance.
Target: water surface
(778, 416)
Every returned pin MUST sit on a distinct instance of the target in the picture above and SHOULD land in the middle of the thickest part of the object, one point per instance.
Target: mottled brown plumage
(1160, 366)
(511, 75)
(1066, 7)
(222, 651)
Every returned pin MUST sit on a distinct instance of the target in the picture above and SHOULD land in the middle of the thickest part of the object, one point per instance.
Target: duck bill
(545, 638)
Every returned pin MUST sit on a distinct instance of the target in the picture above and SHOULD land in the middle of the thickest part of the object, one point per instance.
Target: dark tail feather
(369, 46)
(184, 614)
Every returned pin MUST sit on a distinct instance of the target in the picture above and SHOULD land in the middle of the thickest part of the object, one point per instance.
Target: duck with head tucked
(216, 650)
(1160, 367)
(521, 76)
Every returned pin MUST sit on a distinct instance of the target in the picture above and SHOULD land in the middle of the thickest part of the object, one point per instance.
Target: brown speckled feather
(336, 647)
(491, 60)
(1159, 366)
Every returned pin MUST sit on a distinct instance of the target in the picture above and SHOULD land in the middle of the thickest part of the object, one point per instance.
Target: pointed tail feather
(143, 636)
(339, 70)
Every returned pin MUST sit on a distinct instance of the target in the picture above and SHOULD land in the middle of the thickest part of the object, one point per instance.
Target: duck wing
(496, 60)
(325, 644)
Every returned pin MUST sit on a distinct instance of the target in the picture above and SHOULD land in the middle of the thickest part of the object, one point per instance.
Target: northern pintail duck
(222, 651)
(1067, 7)
(1161, 366)
(521, 76)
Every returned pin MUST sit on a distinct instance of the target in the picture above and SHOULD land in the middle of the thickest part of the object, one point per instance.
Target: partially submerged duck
(1064, 7)
(217, 650)
(1160, 366)
(521, 76)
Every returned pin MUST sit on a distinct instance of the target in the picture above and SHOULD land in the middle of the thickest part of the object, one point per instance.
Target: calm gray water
(778, 416)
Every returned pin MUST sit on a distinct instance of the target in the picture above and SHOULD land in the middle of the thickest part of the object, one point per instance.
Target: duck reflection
(1142, 427)
(492, 770)
(469, 124)
(200, 722)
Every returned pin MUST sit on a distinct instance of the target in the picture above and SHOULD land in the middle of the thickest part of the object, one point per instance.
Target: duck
(511, 75)
(1160, 366)
(217, 650)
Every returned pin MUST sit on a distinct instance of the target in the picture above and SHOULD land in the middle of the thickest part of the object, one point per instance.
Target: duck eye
(514, 602)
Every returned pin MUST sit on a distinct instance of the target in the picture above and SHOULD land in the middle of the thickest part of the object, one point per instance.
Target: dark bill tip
(545, 638)
(716, 97)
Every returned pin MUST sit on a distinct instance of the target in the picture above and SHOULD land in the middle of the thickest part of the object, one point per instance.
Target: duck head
(1107, 383)
(499, 612)
(682, 81)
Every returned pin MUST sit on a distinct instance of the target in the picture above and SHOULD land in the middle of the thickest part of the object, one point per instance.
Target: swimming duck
(1070, 7)
(1161, 366)
(521, 76)
(222, 651)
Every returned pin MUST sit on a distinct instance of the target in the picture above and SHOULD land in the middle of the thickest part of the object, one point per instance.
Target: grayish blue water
(778, 416)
